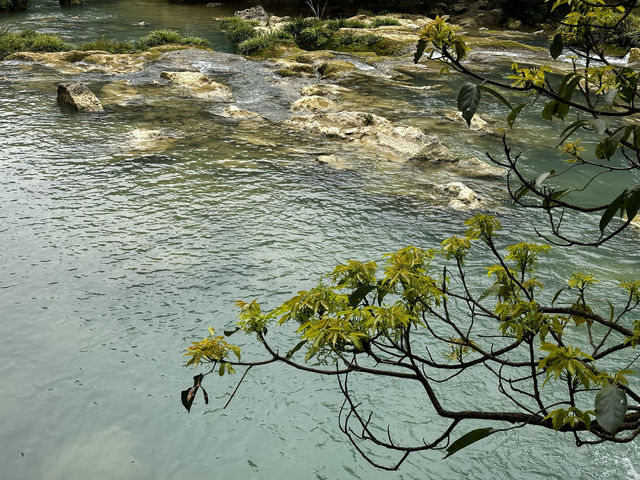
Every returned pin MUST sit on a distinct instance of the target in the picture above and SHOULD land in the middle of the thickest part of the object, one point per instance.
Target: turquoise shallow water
(113, 260)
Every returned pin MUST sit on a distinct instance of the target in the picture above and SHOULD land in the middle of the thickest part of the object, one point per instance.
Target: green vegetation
(561, 354)
(31, 41)
(238, 29)
(312, 34)
(384, 21)
(165, 37)
(11, 5)
(106, 45)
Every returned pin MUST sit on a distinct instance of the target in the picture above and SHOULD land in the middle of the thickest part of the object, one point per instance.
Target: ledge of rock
(313, 103)
(199, 85)
(377, 134)
(78, 96)
(463, 197)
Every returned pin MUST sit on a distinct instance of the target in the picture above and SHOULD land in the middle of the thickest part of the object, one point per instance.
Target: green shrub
(238, 29)
(626, 34)
(111, 46)
(11, 5)
(165, 36)
(384, 21)
(30, 41)
(339, 23)
(297, 25)
(263, 43)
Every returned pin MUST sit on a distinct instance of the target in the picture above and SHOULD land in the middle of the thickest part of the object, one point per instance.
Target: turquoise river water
(113, 259)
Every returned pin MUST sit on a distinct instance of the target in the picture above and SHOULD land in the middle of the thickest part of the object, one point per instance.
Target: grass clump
(238, 29)
(30, 41)
(384, 21)
(106, 45)
(166, 36)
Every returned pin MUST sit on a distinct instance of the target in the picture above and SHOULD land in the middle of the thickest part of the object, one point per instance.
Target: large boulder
(78, 96)
(199, 85)
(258, 14)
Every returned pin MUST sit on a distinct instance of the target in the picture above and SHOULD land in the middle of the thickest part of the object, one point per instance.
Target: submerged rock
(336, 69)
(75, 61)
(335, 162)
(240, 114)
(143, 140)
(474, 167)
(377, 134)
(463, 197)
(78, 96)
(199, 85)
(313, 103)
(324, 89)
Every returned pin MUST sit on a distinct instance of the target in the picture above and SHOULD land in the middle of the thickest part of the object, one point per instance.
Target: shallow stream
(117, 252)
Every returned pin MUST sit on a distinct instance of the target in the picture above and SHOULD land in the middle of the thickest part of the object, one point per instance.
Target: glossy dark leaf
(550, 109)
(607, 147)
(633, 203)
(358, 295)
(568, 131)
(295, 349)
(611, 407)
(496, 94)
(611, 210)
(422, 44)
(469, 438)
(228, 333)
(511, 118)
(557, 45)
(521, 192)
(468, 100)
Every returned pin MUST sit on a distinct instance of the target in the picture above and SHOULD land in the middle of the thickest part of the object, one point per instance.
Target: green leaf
(356, 297)
(521, 192)
(469, 438)
(607, 147)
(557, 45)
(555, 297)
(550, 109)
(568, 131)
(468, 100)
(633, 203)
(511, 118)
(496, 94)
(611, 406)
(228, 333)
(295, 349)
(611, 210)
(422, 44)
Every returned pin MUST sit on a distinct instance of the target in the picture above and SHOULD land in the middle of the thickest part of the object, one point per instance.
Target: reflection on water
(115, 257)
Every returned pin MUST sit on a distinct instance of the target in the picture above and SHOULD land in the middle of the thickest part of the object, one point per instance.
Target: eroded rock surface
(78, 96)
(199, 85)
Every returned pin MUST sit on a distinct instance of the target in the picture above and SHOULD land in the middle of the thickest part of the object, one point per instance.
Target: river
(115, 257)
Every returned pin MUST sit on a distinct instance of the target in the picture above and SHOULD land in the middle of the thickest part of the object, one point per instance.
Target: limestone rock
(240, 114)
(78, 96)
(142, 140)
(312, 57)
(324, 89)
(377, 134)
(514, 24)
(477, 122)
(254, 13)
(335, 162)
(474, 167)
(199, 85)
(634, 55)
(336, 69)
(463, 197)
(313, 103)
